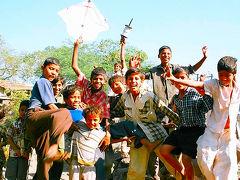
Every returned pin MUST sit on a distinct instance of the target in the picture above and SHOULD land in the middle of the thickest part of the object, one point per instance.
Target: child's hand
(122, 40)
(170, 125)
(79, 41)
(135, 62)
(203, 77)
(204, 50)
(168, 74)
(201, 90)
(129, 140)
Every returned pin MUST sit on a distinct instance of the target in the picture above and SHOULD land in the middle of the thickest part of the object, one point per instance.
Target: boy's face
(118, 87)
(134, 83)
(183, 76)
(22, 111)
(50, 71)
(93, 120)
(117, 68)
(165, 56)
(226, 78)
(98, 81)
(57, 88)
(74, 100)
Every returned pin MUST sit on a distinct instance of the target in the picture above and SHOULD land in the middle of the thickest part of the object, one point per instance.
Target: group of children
(76, 124)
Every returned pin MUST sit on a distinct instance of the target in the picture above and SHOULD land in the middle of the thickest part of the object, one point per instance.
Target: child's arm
(123, 139)
(199, 64)
(75, 56)
(13, 146)
(122, 55)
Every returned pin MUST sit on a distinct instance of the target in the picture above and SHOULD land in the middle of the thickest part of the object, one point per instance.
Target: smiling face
(93, 120)
(74, 100)
(181, 75)
(50, 71)
(165, 56)
(134, 83)
(98, 81)
(57, 87)
(118, 87)
(117, 68)
(226, 78)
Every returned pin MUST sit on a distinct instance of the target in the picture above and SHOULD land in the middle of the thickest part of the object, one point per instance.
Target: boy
(57, 84)
(45, 123)
(20, 148)
(85, 141)
(191, 108)
(139, 107)
(92, 91)
(216, 152)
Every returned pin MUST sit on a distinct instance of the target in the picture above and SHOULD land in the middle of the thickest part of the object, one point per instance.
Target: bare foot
(150, 146)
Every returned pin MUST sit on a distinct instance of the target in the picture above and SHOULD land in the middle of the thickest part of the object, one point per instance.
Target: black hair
(57, 79)
(94, 109)
(180, 69)
(227, 63)
(51, 60)
(69, 90)
(99, 71)
(134, 70)
(24, 103)
(162, 48)
(116, 78)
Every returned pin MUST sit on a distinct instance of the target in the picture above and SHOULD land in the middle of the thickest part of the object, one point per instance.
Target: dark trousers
(56, 170)
(44, 128)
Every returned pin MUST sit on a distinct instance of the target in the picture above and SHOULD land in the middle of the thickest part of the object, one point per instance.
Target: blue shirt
(42, 94)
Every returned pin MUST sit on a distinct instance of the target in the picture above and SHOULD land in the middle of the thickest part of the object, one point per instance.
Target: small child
(20, 148)
(191, 108)
(140, 107)
(85, 141)
(216, 151)
(58, 84)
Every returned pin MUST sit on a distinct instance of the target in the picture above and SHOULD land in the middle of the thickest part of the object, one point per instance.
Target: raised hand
(204, 50)
(79, 41)
(135, 62)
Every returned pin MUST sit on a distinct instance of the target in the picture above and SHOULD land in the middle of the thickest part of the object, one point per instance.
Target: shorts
(184, 139)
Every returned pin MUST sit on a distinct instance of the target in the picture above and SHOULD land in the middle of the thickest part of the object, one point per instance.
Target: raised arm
(122, 55)
(199, 63)
(75, 56)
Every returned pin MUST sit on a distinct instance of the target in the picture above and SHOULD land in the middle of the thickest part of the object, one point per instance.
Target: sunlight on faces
(134, 82)
(22, 110)
(74, 100)
(181, 75)
(93, 120)
(165, 56)
(98, 81)
(118, 87)
(50, 71)
(226, 78)
(57, 87)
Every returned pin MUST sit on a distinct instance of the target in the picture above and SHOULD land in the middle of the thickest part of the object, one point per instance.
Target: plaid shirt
(142, 112)
(192, 108)
(99, 98)
(16, 132)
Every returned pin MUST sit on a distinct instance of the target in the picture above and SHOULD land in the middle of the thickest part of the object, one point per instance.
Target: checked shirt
(143, 111)
(192, 108)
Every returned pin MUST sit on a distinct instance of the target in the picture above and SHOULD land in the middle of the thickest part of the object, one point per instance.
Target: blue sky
(184, 25)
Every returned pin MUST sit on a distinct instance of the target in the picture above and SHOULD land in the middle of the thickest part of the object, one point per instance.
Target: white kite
(84, 19)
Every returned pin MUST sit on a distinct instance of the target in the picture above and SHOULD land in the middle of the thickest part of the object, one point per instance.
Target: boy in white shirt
(217, 146)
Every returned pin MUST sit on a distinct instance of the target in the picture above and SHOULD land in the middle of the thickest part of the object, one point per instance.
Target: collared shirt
(192, 108)
(85, 141)
(142, 112)
(16, 132)
(224, 106)
(99, 97)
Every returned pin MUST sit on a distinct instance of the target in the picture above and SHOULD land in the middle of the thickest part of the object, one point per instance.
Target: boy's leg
(225, 165)
(11, 170)
(189, 170)
(22, 168)
(87, 172)
(153, 166)
(138, 163)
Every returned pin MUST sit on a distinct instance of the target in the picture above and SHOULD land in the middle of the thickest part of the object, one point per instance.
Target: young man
(191, 108)
(45, 123)
(216, 152)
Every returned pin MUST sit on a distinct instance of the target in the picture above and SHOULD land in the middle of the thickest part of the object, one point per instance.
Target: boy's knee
(187, 160)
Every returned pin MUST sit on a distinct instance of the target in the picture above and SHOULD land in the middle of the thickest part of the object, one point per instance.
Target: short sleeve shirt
(42, 94)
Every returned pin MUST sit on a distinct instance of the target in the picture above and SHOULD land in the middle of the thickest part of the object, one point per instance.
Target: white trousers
(82, 172)
(216, 155)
